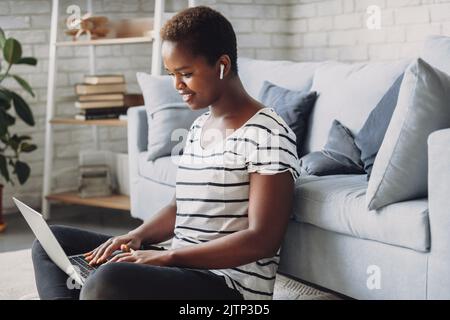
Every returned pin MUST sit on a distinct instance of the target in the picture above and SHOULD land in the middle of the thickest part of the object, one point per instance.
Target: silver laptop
(75, 266)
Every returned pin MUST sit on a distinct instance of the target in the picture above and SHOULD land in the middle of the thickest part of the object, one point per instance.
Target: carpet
(17, 276)
(17, 281)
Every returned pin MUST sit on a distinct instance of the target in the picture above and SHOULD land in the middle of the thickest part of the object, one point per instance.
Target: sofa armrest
(137, 129)
(439, 214)
(137, 139)
(137, 143)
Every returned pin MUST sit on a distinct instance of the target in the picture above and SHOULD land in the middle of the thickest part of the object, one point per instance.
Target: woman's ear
(224, 63)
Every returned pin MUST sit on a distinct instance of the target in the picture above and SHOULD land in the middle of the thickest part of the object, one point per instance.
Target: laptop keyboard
(83, 265)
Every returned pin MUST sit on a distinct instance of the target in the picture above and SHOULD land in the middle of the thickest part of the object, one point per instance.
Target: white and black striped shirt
(212, 189)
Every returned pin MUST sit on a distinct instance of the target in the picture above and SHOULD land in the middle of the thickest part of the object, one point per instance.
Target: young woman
(234, 190)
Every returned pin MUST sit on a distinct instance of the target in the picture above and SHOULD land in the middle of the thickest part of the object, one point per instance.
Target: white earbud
(222, 67)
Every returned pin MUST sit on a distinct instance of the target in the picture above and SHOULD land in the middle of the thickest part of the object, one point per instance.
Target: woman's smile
(187, 97)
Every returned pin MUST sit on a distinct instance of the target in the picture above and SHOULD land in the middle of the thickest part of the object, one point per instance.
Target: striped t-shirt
(212, 189)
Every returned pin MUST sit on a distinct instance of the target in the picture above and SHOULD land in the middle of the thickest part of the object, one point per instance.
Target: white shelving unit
(115, 201)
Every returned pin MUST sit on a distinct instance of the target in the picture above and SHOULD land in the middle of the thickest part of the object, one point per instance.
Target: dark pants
(121, 280)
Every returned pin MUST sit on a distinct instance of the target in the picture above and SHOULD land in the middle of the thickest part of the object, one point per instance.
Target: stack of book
(94, 181)
(103, 97)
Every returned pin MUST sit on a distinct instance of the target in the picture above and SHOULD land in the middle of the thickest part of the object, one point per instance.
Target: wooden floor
(116, 201)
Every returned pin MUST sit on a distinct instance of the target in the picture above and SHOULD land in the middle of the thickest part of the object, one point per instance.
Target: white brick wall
(261, 26)
(404, 26)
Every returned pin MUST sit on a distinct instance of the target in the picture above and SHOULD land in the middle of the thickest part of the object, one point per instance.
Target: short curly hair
(205, 32)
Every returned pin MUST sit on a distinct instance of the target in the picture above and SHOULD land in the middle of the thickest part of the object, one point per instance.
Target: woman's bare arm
(157, 229)
(270, 205)
(160, 227)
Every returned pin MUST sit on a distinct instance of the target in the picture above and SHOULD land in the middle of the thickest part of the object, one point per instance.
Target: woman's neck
(232, 102)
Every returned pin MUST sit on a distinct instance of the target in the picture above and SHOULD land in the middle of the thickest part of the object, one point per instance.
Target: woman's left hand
(153, 257)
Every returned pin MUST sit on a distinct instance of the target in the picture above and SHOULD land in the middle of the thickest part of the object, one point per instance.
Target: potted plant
(12, 145)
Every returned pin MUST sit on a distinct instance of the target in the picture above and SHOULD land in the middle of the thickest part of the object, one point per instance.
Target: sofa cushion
(166, 113)
(337, 203)
(287, 74)
(348, 92)
(400, 170)
(294, 107)
(340, 155)
(162, 170)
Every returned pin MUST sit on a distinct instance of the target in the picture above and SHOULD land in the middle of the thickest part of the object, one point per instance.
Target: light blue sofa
(401, 251)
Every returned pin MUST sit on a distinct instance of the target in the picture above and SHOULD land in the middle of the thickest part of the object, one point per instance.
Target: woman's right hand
(104, 251)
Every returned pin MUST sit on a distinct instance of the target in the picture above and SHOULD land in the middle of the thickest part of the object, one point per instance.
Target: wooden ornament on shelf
(93, 26)
(135, 27)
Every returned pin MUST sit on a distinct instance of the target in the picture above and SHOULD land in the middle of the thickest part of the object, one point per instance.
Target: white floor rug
(17, 276)
(17, 281)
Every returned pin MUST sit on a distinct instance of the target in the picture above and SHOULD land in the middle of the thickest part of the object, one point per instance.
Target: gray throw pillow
(294, 107)
(340, 155)
(371, 135)
(166, 112)
(400, 170)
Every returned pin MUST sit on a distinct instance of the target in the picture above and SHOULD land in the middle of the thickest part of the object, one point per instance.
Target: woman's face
(193, 77)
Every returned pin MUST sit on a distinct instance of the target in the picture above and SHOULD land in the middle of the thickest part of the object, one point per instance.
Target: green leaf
(23, 171)
(10, 120)
(24, 84)
(4, 104)
(3, 122)
(5, 100)
(27, 147)
(2, 38)
(27, 60)
(3, 168)
(22, 109)
(12, 50)
(4, 94)
(14, 142)
(23, 138)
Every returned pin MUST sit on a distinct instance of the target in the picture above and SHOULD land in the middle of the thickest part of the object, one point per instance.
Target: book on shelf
(97, 114)
(98, 111)
(130, 100)
(99, 104)
(104, 79)
(84, 117)
(133, 99)
(84, 89)
(94, 181)
(101, 97)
